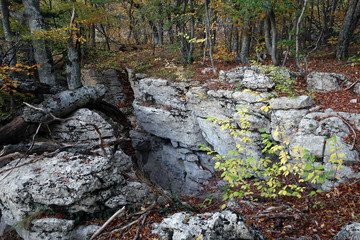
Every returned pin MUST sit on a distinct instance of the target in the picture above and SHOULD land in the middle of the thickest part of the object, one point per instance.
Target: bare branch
(118, 213)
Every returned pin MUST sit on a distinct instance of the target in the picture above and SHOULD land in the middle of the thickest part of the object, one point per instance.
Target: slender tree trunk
(93, 36)
(297, 38)
(348, 26)
(42, 52)
(208, 33)
(271, 36)
(11, 56)
(73, 66)
(245, 46)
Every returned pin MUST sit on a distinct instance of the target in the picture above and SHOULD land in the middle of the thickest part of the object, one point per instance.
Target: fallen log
(59, 105)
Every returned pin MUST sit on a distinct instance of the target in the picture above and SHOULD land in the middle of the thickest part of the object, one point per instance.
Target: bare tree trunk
(73, 66)
(42, 52)
(270, 39)
(245, 46)
(348, 26)
(208, 33)
(297, 37)
(59, 105)
(11, 56)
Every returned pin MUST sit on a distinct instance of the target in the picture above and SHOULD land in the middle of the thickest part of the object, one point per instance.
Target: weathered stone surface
(340, 147)
(52, 225)
(170, 124)
(160, 91)
(218, 225)
(332, 126)
(82, 232)
(107, 78)
(349, 231)
(72, 182)
(174, 168)
(286, 122)
(313, 143)
(74, 131)
(292, 103)
(256, 80)
(324, 81)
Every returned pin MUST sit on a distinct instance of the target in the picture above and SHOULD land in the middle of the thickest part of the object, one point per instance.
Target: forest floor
(319, 217)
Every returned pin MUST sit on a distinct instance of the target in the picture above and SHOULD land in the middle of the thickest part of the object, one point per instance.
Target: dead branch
(276, 215)
(54, 118)
(143, 214)
(352, 129)
(7, 158)
(353, 84)
(117, 214)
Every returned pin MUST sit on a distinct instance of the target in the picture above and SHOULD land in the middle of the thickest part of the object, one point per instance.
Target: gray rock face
(219, 225)
(324, 82)
(173, 167)
(74, 131)
(109, 79)
(82, 232)
(286, 121)
(174, 116)
(256, 80)
(284, 103)
(349, 231)
(67, 181)
(172, 124)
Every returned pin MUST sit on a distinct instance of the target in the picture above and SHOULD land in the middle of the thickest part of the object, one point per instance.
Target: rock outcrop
(172, 122)
(217, 225)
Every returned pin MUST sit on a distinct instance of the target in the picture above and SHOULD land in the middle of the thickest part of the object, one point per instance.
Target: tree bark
(73, 65)
(245, 46)
(348, 26)
(59, 105)
(11, 56)
(270, 36)
(42, 52)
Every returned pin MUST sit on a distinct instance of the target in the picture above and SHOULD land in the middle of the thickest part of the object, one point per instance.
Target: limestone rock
(292, 103)
(286, 121)
(332, 126)
(162, 92)
(178, 169)
(349, 231)
(82, 232)
(170, 124)
(218, 225)
(67, 181)
(256, 80)
(313, 143)
(340, 147)
(74, 131)
(324, 81)
(109, 79)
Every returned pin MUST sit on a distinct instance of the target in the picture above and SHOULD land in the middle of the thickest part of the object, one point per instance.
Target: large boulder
(69, 182)
(285, 103)
(75, 131)
(324, 81)
(349, 231)
(217, 225)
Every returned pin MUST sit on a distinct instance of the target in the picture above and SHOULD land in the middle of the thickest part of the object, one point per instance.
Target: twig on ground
(9, 156)
(353, 84)
(117, 214)
(143, 216)
(352, 129)
(26, 154)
